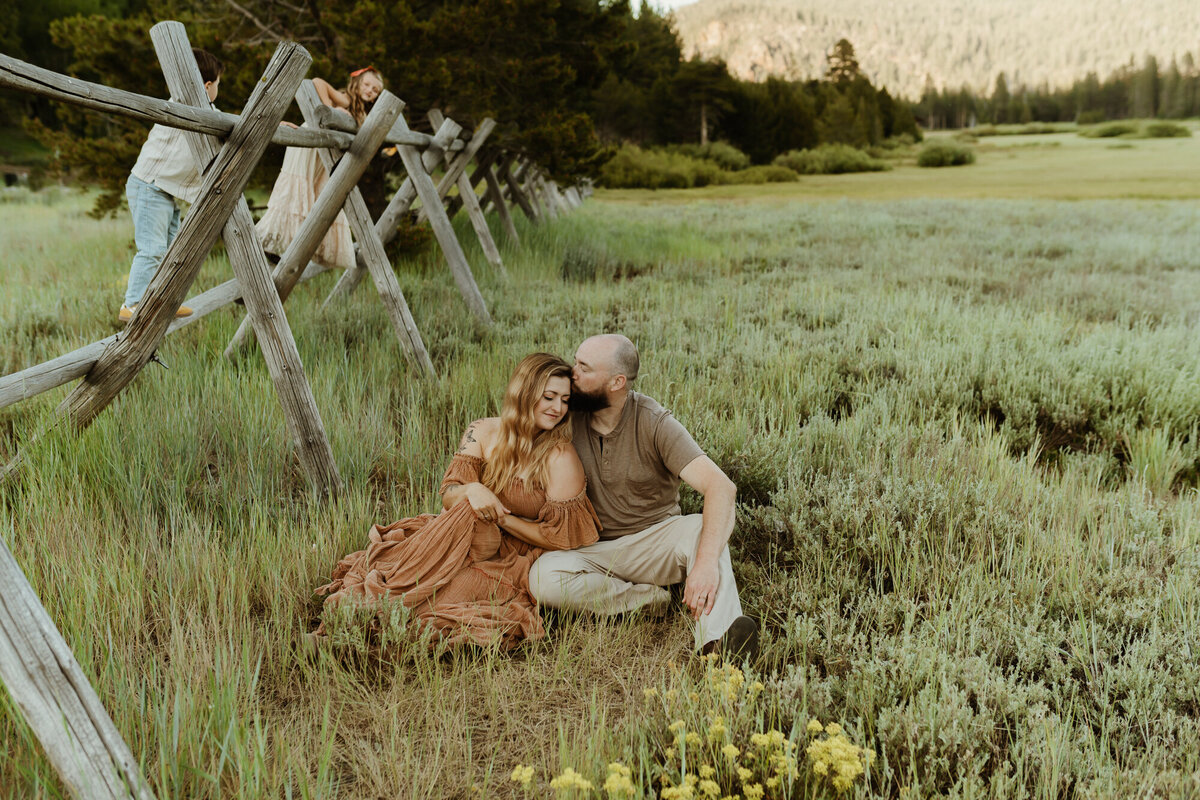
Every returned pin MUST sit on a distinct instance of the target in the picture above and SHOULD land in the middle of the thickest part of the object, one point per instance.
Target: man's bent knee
(548, 575)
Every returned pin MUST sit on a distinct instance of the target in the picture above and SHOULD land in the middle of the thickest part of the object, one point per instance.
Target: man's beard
(584, 403)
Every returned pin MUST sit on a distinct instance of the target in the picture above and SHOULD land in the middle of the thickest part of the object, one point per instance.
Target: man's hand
(700, 590)
(484, 503)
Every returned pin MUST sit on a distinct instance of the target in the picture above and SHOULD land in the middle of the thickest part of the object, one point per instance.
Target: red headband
(358, 72)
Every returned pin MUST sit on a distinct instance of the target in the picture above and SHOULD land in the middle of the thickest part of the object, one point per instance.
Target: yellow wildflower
(710, 788)
(693, 739)
(772, 783)
(815, 727)
(670, 753)
(731, 752)
(833, 729)
(522, 775)
(744, 774)
(716, 731)
(649, 693)
(755, 688)
(694, 697)
(754, 791)
(670, 695)
(677, 727)
(618, 785)
(570, 779)
(706, 771)
(759, 739)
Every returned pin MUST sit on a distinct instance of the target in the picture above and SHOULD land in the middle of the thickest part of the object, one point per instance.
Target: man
(634, 454)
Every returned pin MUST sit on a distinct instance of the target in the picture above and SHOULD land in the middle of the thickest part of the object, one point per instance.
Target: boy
(163, 174)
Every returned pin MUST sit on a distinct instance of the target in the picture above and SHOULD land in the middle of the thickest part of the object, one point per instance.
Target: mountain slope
(954, 42)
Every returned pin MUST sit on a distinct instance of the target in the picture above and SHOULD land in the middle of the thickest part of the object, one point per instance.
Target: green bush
(1165, 130)
(1110, 130)
(945, 154)
(1090, 118)
(766, 173)
(635, 168)
(829, 159)
(723, 154)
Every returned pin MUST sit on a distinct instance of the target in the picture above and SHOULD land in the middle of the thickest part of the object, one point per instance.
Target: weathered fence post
(515, 193)
(456, 175)
(496, 196)
(219, 194)
(444, 232)
(389, 221)
(56, 699)
(264, 308)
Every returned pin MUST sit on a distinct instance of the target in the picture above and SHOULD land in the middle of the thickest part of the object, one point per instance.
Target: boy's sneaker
(126, 312)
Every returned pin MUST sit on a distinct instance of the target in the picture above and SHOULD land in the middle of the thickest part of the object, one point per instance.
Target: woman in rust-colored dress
(514, 489)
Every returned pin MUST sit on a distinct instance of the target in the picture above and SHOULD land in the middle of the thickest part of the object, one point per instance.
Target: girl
(302, 176)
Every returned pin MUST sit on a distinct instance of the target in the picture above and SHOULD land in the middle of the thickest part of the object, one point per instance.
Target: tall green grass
(963, 435)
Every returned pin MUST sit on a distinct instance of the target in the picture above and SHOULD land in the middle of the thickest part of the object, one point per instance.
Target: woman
(302, 176)
(514, 489)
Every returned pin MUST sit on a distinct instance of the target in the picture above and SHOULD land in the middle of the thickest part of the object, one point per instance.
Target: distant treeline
(1130, 92)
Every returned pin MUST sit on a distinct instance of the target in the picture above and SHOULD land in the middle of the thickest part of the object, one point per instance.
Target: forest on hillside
(903, 43)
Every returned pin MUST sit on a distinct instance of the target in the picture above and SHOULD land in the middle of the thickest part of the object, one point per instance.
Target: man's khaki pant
(617, 575)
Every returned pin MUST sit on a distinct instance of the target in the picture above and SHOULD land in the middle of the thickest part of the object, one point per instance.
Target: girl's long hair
(358, 108)
(523, 449)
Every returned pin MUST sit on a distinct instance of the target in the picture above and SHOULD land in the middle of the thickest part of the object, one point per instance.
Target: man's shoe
(126, 312)
(739, 642)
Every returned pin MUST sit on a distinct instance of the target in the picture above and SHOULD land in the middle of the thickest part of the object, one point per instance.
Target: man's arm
(720, 497)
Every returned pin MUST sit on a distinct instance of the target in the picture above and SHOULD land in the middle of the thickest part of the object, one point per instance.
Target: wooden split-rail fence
(36, 665)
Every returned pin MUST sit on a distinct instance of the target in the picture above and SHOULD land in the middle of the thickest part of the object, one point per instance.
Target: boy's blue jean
(155, 223)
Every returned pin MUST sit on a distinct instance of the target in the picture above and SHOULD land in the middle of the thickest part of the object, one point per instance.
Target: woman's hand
(485, 504)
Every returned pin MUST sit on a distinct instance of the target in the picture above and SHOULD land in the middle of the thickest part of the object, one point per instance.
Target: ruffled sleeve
(568, 524)
(463, 469)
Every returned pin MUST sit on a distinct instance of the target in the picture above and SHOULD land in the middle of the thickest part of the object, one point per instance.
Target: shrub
(1110, 130)
(1090, 117)
(723, 154)
(767, 173)
(1165, 130)
(945, 154)
(829, 159)
(635, 168)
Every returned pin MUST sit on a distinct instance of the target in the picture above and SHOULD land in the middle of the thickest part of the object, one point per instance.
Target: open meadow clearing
(960, 405)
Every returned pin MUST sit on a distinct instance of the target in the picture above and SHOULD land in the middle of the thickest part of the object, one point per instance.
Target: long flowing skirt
(296, 189)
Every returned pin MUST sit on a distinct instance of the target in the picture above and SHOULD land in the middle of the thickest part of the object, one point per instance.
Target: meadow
(960, 405)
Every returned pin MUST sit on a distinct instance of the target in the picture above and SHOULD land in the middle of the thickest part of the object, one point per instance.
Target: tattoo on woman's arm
(468, 438)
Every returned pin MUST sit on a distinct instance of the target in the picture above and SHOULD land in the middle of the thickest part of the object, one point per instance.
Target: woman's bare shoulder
(479, 436)
(566, 473)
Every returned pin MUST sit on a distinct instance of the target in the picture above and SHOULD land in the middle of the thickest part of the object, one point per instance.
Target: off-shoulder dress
(466, 579)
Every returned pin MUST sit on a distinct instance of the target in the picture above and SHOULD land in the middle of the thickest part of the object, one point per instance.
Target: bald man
(635, 453)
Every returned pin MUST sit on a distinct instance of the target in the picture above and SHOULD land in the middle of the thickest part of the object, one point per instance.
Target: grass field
(961, 412)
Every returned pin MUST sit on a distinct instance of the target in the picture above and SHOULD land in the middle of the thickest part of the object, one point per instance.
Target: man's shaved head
(614, 354)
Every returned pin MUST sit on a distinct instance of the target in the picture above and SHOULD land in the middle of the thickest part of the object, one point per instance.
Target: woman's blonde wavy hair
(358, 109)
(522, 449)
